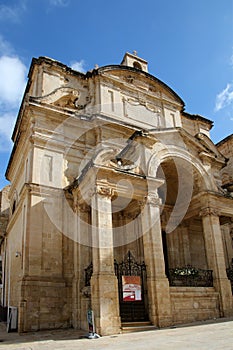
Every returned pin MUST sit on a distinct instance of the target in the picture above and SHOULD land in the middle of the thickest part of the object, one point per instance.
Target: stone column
(104, 284)
(215, 258)
(80, 228)
(184, 236)
(227, 240)
(157, 282)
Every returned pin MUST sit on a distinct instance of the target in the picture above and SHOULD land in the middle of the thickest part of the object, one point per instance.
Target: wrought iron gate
(132, 289)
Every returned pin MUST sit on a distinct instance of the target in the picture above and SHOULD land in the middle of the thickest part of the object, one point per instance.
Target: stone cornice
(214, 199)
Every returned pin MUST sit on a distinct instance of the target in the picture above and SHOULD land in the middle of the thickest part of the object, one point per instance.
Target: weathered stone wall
(185, 246)
(14, 258)
(44, 304)
(4, 209)
(193, 304)
(226, 148)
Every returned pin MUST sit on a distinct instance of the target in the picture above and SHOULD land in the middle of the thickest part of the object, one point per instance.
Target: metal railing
(189, 276)
(230, 275)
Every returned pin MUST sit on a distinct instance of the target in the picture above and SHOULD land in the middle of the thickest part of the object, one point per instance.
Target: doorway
(132, 289)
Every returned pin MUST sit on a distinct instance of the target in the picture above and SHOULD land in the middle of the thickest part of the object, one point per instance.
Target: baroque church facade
(118, 202)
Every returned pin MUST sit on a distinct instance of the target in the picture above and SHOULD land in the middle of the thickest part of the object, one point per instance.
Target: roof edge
(198, 117)
(227, 138)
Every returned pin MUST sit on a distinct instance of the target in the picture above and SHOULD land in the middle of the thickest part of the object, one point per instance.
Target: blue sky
(188, 44)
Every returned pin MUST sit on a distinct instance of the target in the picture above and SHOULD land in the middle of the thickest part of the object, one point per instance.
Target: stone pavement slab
(214, 336)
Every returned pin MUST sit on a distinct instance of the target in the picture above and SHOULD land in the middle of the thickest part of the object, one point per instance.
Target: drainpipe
(9, 288)
(4, 275)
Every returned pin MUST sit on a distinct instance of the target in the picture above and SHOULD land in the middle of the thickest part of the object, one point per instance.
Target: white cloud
(12, 85)
(5, 47)
(13, 80)
(12, 13)
(7, 121)
(78, 65)
(61, 3)
(224, 98)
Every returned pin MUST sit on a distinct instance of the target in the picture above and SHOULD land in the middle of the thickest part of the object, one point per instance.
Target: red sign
(132, 290)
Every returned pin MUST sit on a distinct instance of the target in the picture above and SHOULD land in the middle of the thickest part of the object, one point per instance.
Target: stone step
(130, 327)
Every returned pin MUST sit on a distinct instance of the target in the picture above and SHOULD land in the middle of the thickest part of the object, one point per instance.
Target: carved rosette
(209, 211)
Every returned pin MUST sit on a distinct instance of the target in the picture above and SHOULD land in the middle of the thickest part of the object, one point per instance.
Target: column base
(159, 302)
(223, 286)
(105, 303)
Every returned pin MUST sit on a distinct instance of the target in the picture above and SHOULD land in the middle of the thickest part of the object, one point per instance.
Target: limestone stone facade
(119, 202)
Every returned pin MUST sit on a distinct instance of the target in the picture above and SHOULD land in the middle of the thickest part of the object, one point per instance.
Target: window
(137, 65)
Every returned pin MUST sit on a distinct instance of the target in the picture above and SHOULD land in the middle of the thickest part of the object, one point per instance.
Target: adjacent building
(119, 202)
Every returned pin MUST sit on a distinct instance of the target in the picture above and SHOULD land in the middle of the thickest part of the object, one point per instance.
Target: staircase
(130, 327)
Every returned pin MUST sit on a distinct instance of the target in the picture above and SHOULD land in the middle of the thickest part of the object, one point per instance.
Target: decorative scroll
(190, 276)
(142, 102)
(129, 266)
(66, 97)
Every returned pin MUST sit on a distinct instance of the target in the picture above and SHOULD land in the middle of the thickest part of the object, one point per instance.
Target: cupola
(132, 60)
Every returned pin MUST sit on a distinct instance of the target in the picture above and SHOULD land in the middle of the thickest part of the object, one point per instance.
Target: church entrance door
(132, 289)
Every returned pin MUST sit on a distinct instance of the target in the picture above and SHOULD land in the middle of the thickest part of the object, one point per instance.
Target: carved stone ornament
(66, 97)
(153, 200)
(129, 79)
(104, 191)
(141, 101)
(209, 211)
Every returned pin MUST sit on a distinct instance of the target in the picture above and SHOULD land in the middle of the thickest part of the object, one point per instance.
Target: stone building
(119, 202)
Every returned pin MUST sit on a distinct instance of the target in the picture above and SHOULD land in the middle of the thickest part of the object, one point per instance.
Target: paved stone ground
(215, 335)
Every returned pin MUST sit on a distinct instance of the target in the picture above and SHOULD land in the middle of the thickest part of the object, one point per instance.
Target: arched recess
(184, 178)
(174, 153)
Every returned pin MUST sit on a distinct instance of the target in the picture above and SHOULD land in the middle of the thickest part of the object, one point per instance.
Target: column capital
(153, 200)
(209, 211)
(103, 191)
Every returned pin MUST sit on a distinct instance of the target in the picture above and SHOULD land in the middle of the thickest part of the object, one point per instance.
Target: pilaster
(104, 285)
(215, 257)
(157, 282)
(80, 228)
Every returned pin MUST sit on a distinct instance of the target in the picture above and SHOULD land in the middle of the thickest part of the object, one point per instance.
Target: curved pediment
(141, 80)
